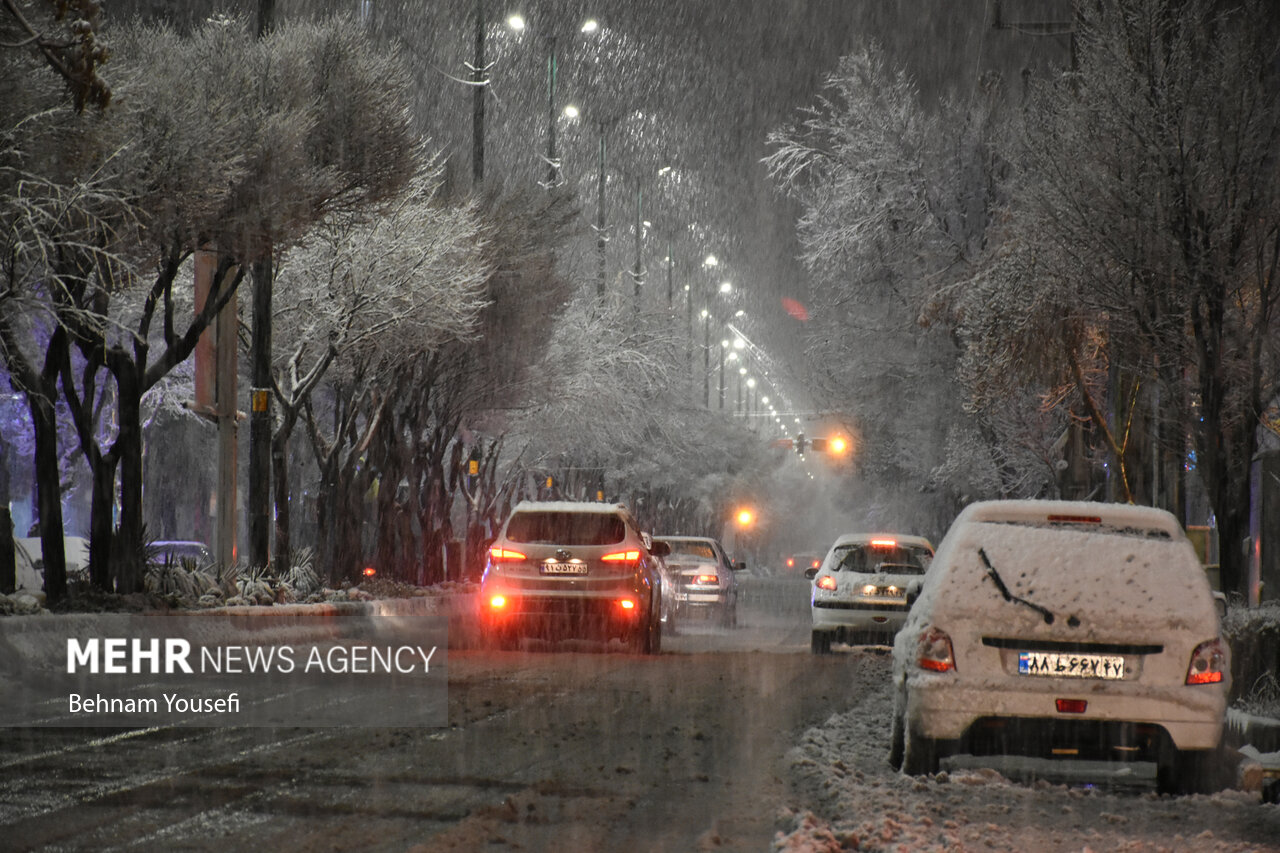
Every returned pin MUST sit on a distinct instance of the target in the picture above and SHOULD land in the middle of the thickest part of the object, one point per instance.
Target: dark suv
(561, 569)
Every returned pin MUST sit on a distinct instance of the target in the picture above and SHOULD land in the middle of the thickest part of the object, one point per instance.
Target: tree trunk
(130, 534)
(101, 512)
(8, 565)
(280, 484)
(49, 493)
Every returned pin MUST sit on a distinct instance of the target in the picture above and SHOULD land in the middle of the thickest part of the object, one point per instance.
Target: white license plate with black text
(564, 568)
(1067, 665)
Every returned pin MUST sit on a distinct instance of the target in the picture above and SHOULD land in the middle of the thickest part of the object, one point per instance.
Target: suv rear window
(868, 559)
(702, 550)
(566, 528)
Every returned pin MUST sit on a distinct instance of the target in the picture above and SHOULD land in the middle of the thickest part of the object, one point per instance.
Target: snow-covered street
(730, 740)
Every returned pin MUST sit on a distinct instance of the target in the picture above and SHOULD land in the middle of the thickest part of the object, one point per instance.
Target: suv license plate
(564, 568)
(1054, 665)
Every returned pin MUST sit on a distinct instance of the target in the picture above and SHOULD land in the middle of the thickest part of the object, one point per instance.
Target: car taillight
(498, 602)
(933, 651)
(1208, 663)
(706, 579)
(827, 582)
(627, 605)
(884, 543)
(815, 564)
(791, 562)
(503, 555)
(621, 557)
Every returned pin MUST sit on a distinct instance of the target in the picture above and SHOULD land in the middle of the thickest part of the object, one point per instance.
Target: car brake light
(933, 651)
(1071, 706)
(884, 543)
(815, 564)
(498, 602)
(501, 554)
(621, 557)
(1208, 664)
(827, 582)
(791, 561)
(370, 571)
(627, 603)
(706, 579)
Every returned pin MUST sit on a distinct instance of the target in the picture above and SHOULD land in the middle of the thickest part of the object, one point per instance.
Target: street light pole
(551, 112)
(477, 101)
(724, 345)
(638, 275)
(706, 357)
(600, 226)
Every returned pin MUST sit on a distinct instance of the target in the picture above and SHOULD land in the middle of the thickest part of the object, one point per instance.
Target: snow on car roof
(856, 538)
(1137, 518)
(1112, 580)
(568, 506)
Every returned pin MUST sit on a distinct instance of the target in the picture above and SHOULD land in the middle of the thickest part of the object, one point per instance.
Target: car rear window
(868, 559)
(566, 528)
(701, 550)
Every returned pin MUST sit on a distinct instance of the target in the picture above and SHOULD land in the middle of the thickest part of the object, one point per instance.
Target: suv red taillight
(706, 580)
(621, 557)
(1208, 663)
(933, 651)
(504, 555)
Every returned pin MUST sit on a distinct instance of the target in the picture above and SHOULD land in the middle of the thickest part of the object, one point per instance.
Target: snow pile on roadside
(852, 800)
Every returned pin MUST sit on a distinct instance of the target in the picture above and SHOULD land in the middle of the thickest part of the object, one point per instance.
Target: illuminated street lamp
(745, 517)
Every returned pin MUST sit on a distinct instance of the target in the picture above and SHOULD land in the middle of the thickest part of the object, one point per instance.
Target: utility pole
(601, 236)
(637, 274)
(478, 72)
(259, 509)
(552, 173)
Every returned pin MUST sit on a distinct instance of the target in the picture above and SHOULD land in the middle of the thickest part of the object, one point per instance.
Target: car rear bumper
(541, 613)
(940, 707)
(881, 620)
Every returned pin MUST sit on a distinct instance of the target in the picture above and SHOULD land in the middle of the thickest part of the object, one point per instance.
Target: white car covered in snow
(860, 591)
(1063, 630)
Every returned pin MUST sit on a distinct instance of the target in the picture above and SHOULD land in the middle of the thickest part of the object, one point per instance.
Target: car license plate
(564, 568)
(1056, 665)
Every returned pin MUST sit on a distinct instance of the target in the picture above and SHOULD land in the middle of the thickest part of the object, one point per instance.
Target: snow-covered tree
(899, 201)
(1149, 208)
(403, 284)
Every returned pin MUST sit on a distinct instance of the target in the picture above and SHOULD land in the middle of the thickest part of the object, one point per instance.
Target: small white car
(860, 592)
(1059, 630)
(703, 579)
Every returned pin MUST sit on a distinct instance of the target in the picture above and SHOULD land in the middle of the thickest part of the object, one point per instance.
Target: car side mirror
(740, 566)
(660, 549)
(810, 573)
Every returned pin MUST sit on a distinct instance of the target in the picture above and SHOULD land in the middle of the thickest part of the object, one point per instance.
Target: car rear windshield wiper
(1008, 596)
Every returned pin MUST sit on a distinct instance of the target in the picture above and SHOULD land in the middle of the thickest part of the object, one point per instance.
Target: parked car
(29, 561)
(180, 551)
(860, 593)
(1063, 630)
(795, 565)
(704, 579)
(561, 569)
